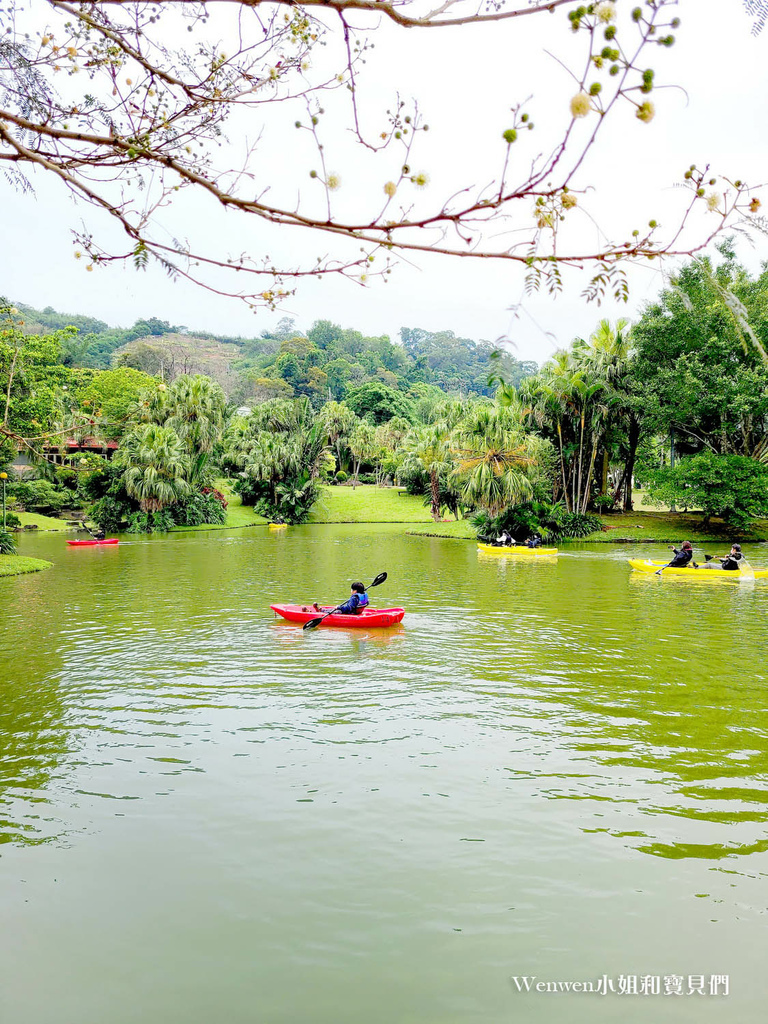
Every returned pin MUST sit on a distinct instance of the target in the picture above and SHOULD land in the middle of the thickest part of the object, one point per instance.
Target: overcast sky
(466, 80)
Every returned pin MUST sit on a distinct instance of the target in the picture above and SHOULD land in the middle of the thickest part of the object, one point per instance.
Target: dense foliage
(552, 520)
(690, 380)
(733, 487)
(7, 543)
(329, 362)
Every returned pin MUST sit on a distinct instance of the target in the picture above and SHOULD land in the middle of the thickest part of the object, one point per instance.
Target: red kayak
(91, 543)
(371, 617)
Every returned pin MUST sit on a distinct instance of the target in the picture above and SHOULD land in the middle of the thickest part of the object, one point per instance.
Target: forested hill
(325, 362)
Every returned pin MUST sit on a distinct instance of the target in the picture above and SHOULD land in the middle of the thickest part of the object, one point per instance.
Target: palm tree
(610, 354)
(550, 395)
(155, 466)
(197, 408)
(429, 449)
(362, 444)
(495, 458)
(272, 458)
(339, 421)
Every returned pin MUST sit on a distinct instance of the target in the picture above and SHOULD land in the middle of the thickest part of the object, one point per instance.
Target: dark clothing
(355, 605)
(681, 559)
(732, 562)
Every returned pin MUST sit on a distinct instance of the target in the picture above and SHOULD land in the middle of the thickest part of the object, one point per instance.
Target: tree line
(326, 362)
(677, 401)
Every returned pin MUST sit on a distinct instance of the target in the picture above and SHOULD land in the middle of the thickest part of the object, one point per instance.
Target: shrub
(217, 495)
(12, 521)
(251, 491)
(341, 477)
(199, 509)
(604, 503)
(553, 522)
(40, 496)
(730, 486)
(574, 525)
(151, 522)
(7, 544)
(111, 513)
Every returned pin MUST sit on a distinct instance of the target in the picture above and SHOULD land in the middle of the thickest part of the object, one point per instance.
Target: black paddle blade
(379, 579)
(313, 623)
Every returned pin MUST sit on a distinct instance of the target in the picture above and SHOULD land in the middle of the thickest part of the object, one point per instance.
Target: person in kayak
(99, 534)
(534, 541)
(504, 540)
(354, 605)
(733, 561)
(683, 556)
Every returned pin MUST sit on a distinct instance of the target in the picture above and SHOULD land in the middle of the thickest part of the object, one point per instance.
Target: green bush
(111, 513)
(574, 525)
(604, 503)
(341, 477)
(732, 487)
(12, 521)
(251, 491)
(198, 509)
(40, 496)
(553, 522)
(151, 522)
(7, 544)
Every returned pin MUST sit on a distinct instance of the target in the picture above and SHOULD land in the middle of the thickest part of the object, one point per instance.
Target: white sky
(466, 80)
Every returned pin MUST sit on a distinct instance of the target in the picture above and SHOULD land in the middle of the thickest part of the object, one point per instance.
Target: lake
(552, 770)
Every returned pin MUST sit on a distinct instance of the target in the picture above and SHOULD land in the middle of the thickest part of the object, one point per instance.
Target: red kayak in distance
(371, 617)
(91, 543)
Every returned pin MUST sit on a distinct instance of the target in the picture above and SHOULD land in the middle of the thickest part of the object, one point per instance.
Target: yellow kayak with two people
(518, 549)
(647, 566)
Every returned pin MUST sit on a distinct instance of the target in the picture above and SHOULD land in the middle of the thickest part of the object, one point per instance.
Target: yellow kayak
(520, 549)
(713, 575)
(278, 526)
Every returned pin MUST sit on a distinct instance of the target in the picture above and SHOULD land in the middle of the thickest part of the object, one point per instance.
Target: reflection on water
(543, 750)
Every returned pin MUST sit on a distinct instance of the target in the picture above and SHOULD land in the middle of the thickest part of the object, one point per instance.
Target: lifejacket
(363, 601)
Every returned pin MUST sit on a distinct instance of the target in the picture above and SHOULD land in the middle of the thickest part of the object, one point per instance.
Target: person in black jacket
(733, 561)
(683, 556)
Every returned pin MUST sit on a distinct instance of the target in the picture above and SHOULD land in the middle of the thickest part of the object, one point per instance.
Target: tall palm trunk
(629, 469)
(604, 477)
(577, 502)
(585, 501)
(562, 466)
(435, 488)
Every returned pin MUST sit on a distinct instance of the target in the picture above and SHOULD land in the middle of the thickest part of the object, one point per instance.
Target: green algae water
(552, 771)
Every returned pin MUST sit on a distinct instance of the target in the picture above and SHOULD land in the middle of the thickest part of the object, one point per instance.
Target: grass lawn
(673, 527)
(368, 504)
(43, 522)
(238, 515)
(15, 565)
(634, 527)
(456, 530)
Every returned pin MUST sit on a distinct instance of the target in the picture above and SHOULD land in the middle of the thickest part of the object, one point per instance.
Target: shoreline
(20, 565)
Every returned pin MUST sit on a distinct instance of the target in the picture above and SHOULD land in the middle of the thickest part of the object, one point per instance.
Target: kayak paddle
(314, 623)
(82, 523)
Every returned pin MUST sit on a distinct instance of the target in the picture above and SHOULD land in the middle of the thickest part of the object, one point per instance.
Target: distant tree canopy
(324, 364)
(379, 403)
(112, 394)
